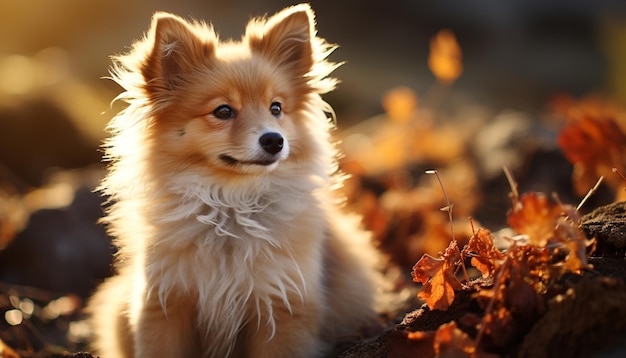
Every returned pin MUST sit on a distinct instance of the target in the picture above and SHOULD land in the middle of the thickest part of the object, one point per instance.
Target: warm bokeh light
(400, 104)
(444, 59)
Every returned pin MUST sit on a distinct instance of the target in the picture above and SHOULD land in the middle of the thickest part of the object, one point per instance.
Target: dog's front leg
(296, 334)
(165, 334)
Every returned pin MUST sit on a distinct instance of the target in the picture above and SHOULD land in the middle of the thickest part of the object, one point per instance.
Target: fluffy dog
(231, 240)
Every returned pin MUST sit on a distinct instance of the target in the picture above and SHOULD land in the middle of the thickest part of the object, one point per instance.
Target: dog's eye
(224, 112)
(276, 109)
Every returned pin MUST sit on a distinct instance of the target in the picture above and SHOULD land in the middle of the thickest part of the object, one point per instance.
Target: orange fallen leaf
(451, 341)
(534, 215)
(438, 277)
(485, 255)
(569, 234)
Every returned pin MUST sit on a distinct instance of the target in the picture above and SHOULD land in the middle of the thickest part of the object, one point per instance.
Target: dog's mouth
(227, 159)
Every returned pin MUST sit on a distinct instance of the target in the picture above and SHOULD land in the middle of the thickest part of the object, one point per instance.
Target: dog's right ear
(178, 47)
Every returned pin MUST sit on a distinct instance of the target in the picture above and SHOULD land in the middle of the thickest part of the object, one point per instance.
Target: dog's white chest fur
(232, 248)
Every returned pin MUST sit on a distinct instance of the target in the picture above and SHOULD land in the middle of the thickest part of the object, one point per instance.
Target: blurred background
(53, 55)
(516, 61)
(516, 54)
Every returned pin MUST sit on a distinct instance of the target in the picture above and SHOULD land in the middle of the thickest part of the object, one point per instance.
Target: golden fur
(225, 248)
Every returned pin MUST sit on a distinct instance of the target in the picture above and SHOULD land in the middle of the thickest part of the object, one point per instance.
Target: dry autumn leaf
(541, 220)
(535, 216)
(450, 341)
(569, 233)
(485, 255)
(438, 277)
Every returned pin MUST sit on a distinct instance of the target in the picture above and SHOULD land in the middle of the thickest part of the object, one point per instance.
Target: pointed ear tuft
(178, 48)
(286, 38)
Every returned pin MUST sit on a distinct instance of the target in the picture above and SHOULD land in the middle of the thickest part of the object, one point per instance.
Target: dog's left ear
(286, 38)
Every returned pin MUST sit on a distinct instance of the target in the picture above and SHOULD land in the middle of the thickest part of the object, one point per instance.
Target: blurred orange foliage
(400, 104)
(445, 57)
(594, 140)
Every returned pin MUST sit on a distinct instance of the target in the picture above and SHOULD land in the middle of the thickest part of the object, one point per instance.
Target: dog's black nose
(271, 142)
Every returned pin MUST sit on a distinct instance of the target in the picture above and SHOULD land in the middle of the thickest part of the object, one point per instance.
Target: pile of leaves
(514, 284)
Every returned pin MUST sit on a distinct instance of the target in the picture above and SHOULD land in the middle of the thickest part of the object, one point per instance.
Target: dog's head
(233, 107)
